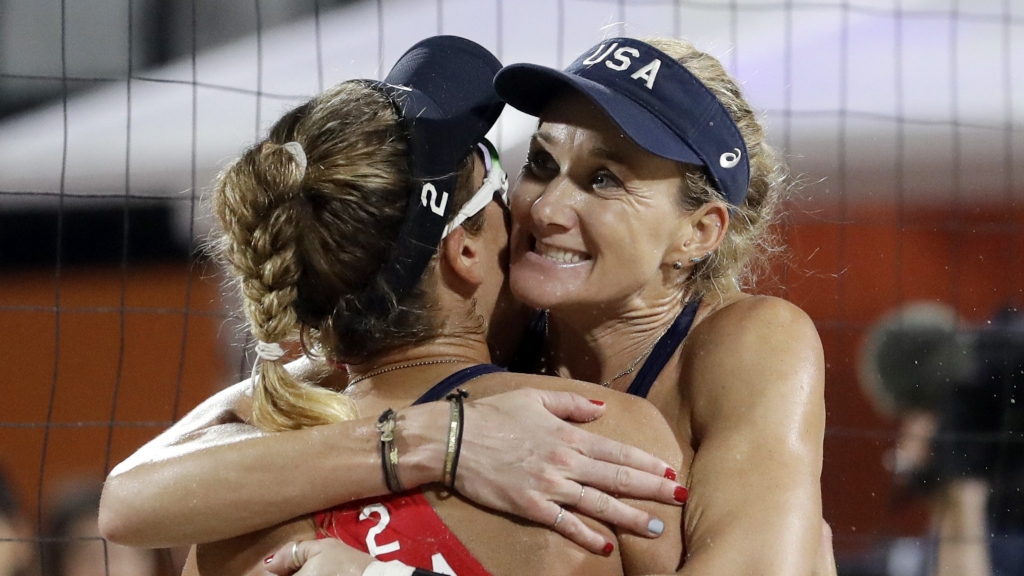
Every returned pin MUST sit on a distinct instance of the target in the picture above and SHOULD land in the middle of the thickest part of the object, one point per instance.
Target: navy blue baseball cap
(443, 92)
(653, 98)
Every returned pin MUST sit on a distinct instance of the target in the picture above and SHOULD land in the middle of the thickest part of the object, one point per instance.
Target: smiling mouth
(560, 255)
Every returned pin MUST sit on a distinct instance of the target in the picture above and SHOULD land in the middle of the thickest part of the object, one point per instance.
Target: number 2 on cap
(436, 208)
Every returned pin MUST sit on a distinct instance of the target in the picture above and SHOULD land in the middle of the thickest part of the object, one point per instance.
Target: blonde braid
(259, 201)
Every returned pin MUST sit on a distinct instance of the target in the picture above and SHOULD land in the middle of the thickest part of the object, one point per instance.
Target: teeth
(559, 255)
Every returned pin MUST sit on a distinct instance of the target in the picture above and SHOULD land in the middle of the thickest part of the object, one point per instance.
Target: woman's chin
(543, 283)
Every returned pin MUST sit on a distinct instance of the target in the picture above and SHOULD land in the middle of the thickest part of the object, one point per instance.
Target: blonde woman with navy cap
(645, 201)
(641, 212)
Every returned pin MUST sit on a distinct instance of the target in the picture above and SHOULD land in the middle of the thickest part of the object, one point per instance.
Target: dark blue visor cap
(653, 98)
(443, 91)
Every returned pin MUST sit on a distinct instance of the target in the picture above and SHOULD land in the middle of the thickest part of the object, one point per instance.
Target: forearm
(963, 538)
(221, 485)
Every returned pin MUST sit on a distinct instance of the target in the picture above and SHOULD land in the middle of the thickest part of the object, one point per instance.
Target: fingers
(574, 529)
(606, 450)
(569, 406)
(290, 557)
(601, 506)
(631, 473)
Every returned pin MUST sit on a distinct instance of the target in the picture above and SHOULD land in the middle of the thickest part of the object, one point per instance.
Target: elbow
(117, 516)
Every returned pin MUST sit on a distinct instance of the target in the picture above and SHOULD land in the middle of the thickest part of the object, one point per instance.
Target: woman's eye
(605, 180)
(539, 163)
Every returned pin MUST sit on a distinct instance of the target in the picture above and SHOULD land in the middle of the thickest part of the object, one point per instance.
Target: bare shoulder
(753, 332)
(752, 349)
(756, 319)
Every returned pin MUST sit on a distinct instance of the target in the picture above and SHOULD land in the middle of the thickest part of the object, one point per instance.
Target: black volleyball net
(901, 119)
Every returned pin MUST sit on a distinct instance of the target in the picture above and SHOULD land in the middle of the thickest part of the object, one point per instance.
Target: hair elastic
(270, 351)
(295, 149)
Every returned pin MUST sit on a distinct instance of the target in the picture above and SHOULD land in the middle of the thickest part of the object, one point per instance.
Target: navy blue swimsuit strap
(663, 351)
(444, 387)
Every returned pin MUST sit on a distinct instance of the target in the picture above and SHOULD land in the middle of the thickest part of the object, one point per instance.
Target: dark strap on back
(531, 347)
(442, 388)
(663, 351)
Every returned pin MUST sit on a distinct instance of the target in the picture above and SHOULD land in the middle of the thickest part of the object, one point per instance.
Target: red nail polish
(608, 548)
(670, 474)
(268, 559)
(597, 402)
(681, 494)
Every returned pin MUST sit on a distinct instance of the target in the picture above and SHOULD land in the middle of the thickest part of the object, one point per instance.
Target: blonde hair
(306, 242)
(749, 239)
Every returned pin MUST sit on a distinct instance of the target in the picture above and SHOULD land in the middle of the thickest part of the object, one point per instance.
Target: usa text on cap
(653, 98)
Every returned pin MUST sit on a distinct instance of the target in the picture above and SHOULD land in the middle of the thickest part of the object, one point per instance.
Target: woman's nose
(554, 205)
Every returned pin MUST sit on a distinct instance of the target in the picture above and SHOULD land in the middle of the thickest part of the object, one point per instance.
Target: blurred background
(904, 120)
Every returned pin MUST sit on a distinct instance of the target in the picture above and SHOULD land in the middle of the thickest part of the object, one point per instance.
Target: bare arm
(211, 477)
(963, 538)
(757, 377)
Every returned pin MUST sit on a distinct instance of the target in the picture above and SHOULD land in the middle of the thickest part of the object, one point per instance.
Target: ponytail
(259, 200)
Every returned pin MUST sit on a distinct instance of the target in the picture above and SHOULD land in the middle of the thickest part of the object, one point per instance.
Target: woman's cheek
(521, 200)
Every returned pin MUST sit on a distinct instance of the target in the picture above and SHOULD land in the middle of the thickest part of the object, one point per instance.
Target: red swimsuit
(403, 526)
(400, 527)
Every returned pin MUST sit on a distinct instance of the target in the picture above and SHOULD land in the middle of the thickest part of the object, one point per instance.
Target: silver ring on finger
(295, 558)
(578, 501)
(558, 519)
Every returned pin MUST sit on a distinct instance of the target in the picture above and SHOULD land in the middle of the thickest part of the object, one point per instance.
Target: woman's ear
(462, 260)
(701, 235)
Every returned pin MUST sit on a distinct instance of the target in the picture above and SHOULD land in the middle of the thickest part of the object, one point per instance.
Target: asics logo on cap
(429, 190)
(730, 159)
(621, 62)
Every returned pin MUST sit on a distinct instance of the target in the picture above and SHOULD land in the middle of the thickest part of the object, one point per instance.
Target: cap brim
(530, 88)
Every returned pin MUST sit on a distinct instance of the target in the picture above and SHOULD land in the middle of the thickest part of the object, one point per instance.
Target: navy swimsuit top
(444, 387)
(533, 345)
(663, 351)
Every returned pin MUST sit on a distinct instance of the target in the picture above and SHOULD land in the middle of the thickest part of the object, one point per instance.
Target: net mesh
(901, 117)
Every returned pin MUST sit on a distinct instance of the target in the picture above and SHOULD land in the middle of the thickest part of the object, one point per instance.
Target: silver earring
(698, 259)
(677, 265)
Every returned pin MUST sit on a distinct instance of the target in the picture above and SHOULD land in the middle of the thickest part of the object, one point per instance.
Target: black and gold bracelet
(389, 450)
(455, 422)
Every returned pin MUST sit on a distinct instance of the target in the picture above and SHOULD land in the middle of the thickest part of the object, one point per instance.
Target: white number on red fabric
(371, 537)
(440, 565)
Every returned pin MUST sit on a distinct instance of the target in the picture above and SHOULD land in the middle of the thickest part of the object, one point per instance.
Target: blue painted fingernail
(656, 527)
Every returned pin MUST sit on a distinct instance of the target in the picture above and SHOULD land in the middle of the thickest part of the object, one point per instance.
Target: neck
(407, 373)
(600, 347)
